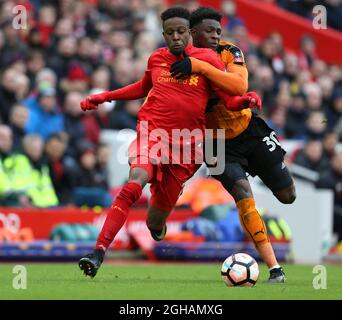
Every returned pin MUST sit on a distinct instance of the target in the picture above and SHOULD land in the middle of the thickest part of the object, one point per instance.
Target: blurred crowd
(70, 49)
(304, 8)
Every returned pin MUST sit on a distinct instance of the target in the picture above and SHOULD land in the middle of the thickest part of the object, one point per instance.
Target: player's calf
(252, 222)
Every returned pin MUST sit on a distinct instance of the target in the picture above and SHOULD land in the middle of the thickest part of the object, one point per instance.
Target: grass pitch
(136, 281)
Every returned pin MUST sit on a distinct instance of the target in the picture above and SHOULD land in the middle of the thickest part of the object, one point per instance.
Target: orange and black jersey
(234, 80)
(218, 117)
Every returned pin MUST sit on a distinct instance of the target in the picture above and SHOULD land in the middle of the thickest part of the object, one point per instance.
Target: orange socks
(251, 221)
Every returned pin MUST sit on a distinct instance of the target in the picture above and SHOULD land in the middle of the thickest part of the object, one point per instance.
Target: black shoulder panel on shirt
(221, 47)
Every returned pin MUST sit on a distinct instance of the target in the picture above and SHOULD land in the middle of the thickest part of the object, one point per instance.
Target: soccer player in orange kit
(250, 145)
(170, 104)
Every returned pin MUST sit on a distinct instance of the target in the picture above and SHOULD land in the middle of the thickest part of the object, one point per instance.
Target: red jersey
(176, 104)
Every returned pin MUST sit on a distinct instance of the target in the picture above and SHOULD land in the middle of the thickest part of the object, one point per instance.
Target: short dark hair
(202, 13)
(175, 12)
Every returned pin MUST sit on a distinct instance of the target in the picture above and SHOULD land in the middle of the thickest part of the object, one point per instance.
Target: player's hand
(92, 101)
(86, 104)
(248, 100)
(181, 68)
(251, 100)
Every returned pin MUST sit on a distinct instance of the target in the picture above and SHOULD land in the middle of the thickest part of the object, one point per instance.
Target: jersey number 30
(271, 141)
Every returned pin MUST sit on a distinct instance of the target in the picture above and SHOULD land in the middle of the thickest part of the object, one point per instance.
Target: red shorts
(167, 180)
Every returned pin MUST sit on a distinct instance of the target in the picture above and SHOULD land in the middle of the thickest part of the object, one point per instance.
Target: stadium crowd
(70, 49)
(304, 9)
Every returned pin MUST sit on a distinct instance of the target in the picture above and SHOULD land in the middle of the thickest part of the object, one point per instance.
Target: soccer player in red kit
(170, 104)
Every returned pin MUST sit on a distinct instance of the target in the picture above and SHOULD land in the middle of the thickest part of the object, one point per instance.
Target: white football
(240, 269)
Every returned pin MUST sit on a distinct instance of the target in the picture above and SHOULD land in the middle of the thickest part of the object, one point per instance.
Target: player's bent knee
(289, 199)
(279, 180)
(140, 174)
(287, 196)
(286, 199)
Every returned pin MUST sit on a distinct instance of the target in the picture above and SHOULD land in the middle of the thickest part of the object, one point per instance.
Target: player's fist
(237, 103)
(92, 101)
(86, 104)
(251, 100)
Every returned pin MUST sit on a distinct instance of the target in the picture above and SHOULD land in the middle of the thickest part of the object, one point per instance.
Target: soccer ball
(240, 269)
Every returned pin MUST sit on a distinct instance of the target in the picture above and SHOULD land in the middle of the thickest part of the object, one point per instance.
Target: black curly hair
(198, 15)
(175, 12)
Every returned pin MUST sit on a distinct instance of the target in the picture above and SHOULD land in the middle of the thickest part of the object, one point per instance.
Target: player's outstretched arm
(234, 82)
(133, 91)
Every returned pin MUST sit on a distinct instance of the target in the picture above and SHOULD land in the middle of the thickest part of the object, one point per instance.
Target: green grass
(161, 281)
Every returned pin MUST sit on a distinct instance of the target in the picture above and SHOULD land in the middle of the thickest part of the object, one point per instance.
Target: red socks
(117, 214)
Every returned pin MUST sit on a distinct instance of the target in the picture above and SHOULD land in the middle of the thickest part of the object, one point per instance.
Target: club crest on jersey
(193, 81)
(238, 57)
